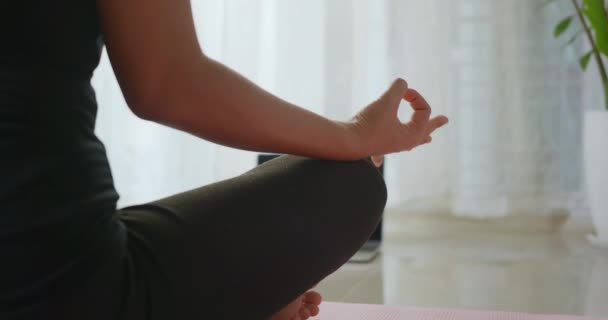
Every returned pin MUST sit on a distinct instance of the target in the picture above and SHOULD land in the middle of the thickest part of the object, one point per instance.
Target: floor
(479, 266)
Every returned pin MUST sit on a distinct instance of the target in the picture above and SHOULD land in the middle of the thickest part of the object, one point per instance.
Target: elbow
(144, 109)
(148, 102)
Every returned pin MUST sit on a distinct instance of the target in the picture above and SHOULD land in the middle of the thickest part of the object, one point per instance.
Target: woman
(245, 248)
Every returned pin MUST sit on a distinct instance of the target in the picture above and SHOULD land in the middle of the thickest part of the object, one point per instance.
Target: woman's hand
(381, 132)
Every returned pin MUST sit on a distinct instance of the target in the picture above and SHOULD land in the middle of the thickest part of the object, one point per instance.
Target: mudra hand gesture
(381, 130)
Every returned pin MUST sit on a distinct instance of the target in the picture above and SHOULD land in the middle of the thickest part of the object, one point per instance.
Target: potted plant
(593, 18)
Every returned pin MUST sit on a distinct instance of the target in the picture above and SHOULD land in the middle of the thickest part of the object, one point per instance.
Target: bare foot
(302, 308)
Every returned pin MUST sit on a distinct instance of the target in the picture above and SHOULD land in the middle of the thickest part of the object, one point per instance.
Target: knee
(366, 189)
(340, 203)
(356, 189)
(363, 184)
(356, 197)
(346, 192)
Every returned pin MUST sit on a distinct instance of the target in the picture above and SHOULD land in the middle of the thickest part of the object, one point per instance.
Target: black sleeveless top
(57, 200)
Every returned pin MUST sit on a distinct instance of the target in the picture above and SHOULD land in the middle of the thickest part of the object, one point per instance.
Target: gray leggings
(240, 248)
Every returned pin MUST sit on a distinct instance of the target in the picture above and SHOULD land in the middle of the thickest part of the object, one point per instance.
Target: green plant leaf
(584, 60)
(596, 14)
(562, 26)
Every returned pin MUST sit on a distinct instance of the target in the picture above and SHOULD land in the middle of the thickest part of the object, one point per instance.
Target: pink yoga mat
(343, 311)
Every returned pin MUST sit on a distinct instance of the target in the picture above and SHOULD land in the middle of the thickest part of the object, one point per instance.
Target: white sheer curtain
(513, 96)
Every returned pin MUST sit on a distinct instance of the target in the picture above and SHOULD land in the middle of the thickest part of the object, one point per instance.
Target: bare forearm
(217, 104)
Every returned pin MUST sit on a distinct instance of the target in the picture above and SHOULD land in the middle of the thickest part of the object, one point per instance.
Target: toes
(312, 297)
(313, 309)
(308, 306)
(304, 313)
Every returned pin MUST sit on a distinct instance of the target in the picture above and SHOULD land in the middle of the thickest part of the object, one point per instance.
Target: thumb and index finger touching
(421, 118)
(422, 110)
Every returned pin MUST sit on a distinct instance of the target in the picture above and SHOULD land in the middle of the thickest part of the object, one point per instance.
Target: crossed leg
(251, 247)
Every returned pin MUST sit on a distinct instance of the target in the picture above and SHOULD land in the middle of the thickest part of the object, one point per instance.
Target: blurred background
(492, 215)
